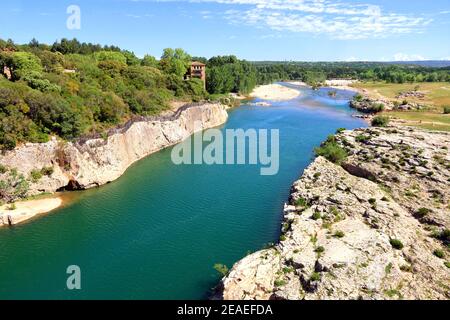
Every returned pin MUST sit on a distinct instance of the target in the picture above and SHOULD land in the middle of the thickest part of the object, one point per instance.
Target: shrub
(320, 249)
(35, 175)
(316, 216)
(3, 169)
(340, 130)
(288, 270)
(362, 138)
(221, 269)
(372, 201)
(388, 268)
(447, 110)
(380, 121)
(422, 212)
(392, 292)
(358, 97)
(439, 253)
(331, 151)
(279, 282)
(339, 234)
(396, 244)
(301, 202)
(47, 171)
(447, 264)
(377, 107)
(315, 276)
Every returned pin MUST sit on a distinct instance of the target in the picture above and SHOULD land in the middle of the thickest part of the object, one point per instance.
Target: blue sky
(307, 30)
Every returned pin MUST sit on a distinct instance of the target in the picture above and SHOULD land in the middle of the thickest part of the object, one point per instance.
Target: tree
(131, 58)
(175, 61)
(229, 74)
(22, 64)
(110, 56)
(149, 61)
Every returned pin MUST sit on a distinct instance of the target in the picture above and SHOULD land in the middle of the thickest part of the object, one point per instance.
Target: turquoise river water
(156, 232)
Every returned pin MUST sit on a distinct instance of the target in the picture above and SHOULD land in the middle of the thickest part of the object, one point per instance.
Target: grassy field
(437, 95)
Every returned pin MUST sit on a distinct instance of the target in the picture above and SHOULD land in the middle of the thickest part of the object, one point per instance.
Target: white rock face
(337, 240)
(99, 161)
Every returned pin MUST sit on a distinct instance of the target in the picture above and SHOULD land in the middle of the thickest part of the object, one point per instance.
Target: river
(156, 232)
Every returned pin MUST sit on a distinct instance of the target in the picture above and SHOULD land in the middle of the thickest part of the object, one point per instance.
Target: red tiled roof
(196, 63)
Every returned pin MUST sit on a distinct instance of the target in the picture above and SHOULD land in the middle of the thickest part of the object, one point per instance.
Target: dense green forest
(71, 88)
(316, 72)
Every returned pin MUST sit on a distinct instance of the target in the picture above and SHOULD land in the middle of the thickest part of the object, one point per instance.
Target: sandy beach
(274, 92)
(25, 210)
(341, 84)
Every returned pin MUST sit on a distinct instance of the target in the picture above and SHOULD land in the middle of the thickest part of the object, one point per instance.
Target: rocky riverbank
(375, 227)
(56, 165)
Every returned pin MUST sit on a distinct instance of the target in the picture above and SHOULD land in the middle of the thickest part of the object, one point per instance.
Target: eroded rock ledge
(88, 163)
(376, 231)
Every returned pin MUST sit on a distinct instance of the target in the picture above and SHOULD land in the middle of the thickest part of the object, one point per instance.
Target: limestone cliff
(92, 162)
(378, 229)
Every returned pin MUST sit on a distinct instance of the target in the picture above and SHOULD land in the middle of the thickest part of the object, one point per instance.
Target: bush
(377, 107)
(362, 138)
(339, 234)
(422, 212)
(380, 121)
(221, 269)
(279, 283)
(315, 276)
(35, 175)
(301, 202)
(47, 171)
(447, 110)
(396, 244)
(331, 151)
(316, 216)
(439, 253)
(320, 249)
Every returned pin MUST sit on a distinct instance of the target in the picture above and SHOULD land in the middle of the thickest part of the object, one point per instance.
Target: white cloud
(408, 57)
(339, 20)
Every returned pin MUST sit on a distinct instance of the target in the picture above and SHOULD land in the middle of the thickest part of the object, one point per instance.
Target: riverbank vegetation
(317, 72)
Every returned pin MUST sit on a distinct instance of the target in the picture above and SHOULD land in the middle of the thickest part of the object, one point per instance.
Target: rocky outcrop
(378, 230)
(92, 162)
(411, 94)
(368, 105)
